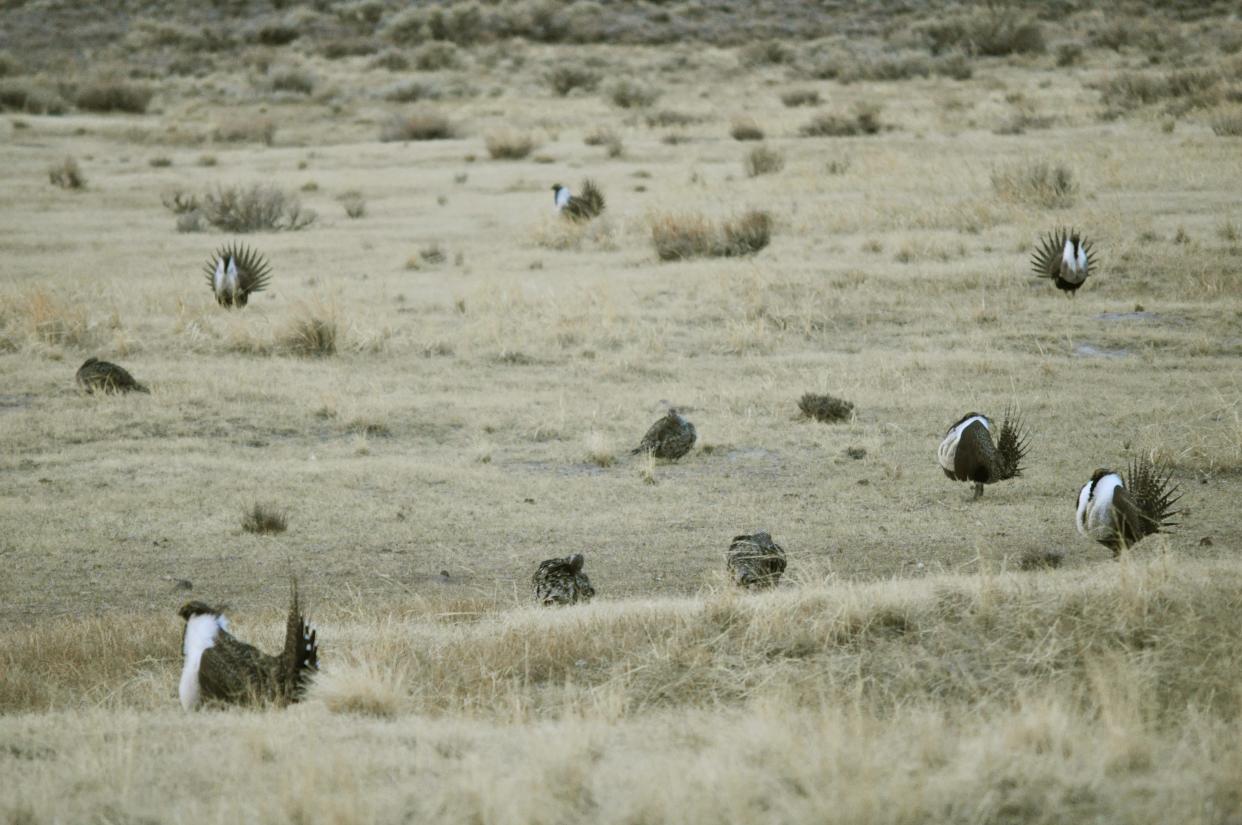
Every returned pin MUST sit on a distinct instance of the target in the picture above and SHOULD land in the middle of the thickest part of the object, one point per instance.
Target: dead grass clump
(419, 125)
(113, 95)
(745, 129)
(763, 161)
(366, 689)
(392, 60)
(354, 204)
(1041, 559)
(1038, 183)
(292, 80)
(436, 57)
(766, 53)
(257, 208)
(264, 519)
(630, 95)
(509, 145)
(276, 34)
(245, 130)
(679, 237)
(312, 332)
(825, 408)
(31, 98)
(565, 78)
(607, 138)
(1228, 124)
(9, 65)
(1190, 89)
(997, 31)
(412, 92)
(66, 174)
(599, 452)
(44, 317)
(800, 97)
(864, 121)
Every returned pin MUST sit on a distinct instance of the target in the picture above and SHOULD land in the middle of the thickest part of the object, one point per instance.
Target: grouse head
(196, 608)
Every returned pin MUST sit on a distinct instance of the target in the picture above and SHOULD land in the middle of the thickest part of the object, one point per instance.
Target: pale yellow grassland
(477, 418)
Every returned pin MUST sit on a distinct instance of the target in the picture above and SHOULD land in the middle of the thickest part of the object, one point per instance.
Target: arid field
(443, 382)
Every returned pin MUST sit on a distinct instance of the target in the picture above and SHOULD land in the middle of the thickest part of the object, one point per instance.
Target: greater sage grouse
(234, 272)
(561, 581)
(1120, 513)
(221, 668)
(756, 561)
(1064, 257)
(578, 207)
(968, 452)
(670, 437)
(108, 377)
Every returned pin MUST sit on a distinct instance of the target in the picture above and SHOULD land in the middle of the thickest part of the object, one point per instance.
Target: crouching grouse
(107, 377)
(561, 581)
(755, 561)
(671, 437)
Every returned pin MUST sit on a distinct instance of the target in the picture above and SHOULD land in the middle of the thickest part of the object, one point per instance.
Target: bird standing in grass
(968, 452)
(234, 272)
(561, 581)
(108, 377)
(1119, 513)
(756, 562)
(671, 437)
(578, 207)
(1064, 257)
(219, 667)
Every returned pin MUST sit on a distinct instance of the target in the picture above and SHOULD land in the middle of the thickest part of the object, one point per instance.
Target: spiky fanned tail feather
(253, 273)
(1012, 445)
(300, 657)
(587, 205)
(1153, 492)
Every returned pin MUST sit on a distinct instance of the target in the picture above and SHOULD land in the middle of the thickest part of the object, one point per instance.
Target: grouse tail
(1012, 445)
(1154, 493)
(592, 198)
(300, 658)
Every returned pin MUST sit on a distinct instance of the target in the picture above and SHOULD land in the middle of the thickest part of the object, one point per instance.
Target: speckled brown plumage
(562, 581)
(671, 437)
(969, 453)
(825, 408)
(755, 561)
(107, 377)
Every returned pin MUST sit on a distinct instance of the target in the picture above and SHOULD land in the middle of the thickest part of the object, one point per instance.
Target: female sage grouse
(108, 377)
(968, 452)
(756, 561)
(561, 581)
(1120, 513)
(670, 437)
(234, 272)
(578, 207)
(1064, 257)
(221, 668)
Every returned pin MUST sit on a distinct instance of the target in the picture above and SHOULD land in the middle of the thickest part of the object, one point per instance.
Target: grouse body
(968, 452)
(578, 207)
(671, 437)
(1119, 513)
(1064, 257)
(107, 377)
(755, 561)
(561, 581)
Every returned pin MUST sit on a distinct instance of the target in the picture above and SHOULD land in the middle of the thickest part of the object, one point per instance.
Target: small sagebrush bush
(180, 202)
(509, 145)
(564, 79)
(800, 97)
(311, 333)
(112, 95)
(257, 208)
(996, 31)
(435, 57)
(245, 130)
(766, 53)
(419, 125)
(678, 237)
(1037, 183)
(21, 95)
(392, 60)
(1041, 559)
(264, 518)
(630, 95)
(276, 34)
(745, 129)
(160, 162)
(412, 91)
(825, 408)
(607, 138)
(1228, 124)
(67, 174)
(762, 161)
(294, 81)
(864, 121)
(671, 117)
(354, 204)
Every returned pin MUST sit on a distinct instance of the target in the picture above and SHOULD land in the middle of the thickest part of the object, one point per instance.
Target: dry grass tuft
(745, 129)
(1041, 559)
(680, 237)
(45, 317)
(1038, 183)
(312, 332)
(565, 78)
(763, 161)
(864, 121)
(1228, 124)
(599, 452)
(423, 124)
(113, 95)
(630, 95)
(366, 689)
(242, 129)
(800, 97)
(825, 408)
(354, 203)
(67, 174)
(509, 145)
(264, 519)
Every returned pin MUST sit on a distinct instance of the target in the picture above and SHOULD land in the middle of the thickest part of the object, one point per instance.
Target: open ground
(442, 391)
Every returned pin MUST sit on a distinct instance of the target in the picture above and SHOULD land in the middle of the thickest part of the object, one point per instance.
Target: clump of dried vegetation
(252, 129)
(264, 519)
(354, 204)
(825, 408)
(1037, 183)
(113, 95)
(628, 94)
(745, 129)
(66, 174)
(423, 124)
(565, 77)
(506, 144)
(763, 161)
(311, 332)
(684, 236)
(865, 120)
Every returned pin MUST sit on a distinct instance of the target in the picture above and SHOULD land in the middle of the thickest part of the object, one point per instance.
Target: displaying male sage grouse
(221, 668)
(755, 561)
(234, 272)
(968, 452)
(561, 581)
(670, 437)
(1064, 257)
(578, 207)
(1120, 513)
(108, 377)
